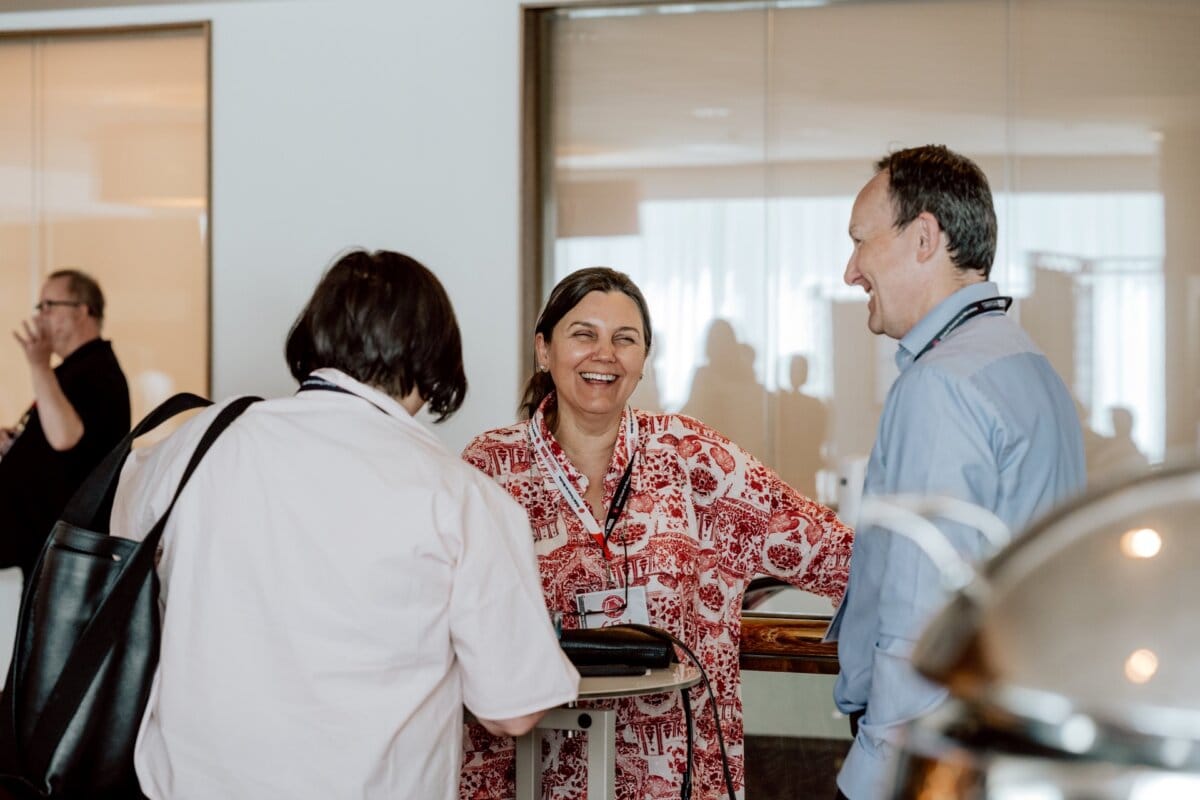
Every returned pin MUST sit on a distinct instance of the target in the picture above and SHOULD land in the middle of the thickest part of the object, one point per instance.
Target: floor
(779, 768)
(793, 768)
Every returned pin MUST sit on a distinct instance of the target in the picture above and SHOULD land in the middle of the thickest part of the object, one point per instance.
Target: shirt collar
(81, 352)
(381, 399)
(620, 458)
(932, 323)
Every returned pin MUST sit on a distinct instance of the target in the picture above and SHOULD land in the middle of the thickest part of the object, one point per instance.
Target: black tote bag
(88, 637)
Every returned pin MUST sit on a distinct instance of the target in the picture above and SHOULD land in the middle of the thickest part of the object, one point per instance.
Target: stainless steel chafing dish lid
(946, 754)
(1081, 634)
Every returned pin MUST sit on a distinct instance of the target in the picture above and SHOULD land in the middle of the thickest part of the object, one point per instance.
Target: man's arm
(60, 422)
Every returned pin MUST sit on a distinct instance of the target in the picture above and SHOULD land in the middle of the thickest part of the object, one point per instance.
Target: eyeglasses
(46, 305)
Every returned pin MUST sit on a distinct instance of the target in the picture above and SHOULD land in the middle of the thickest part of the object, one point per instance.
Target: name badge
(602, 609)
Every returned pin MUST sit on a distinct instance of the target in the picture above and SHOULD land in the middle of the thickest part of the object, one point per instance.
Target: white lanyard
(551, 466)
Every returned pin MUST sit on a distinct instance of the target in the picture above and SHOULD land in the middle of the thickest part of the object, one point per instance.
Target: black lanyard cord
(314, 383)
(969, 312)
(620, 497)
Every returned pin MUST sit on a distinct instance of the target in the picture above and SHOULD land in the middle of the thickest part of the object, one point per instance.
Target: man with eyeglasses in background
(80, 411)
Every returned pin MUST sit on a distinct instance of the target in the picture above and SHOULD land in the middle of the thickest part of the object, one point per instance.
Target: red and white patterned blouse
(703, 518)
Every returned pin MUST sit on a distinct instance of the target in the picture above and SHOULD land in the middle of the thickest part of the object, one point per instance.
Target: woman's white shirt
(336, 586)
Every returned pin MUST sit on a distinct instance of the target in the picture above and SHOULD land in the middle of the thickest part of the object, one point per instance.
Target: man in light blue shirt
(976, 413)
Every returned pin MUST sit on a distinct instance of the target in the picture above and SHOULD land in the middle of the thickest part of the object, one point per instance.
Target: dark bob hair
(565, 296)
(954, 189)
(385, 320)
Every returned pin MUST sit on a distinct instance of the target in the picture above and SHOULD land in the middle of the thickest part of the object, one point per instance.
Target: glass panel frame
(84, 170)
(117, 151)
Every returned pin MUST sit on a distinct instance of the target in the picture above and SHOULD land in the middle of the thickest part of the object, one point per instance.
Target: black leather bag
(88, 636)
(616, 650)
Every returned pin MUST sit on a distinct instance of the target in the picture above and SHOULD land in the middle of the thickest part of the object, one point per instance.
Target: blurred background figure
(725, 392)
(803, 421)
(80, 411)
(1118, 453)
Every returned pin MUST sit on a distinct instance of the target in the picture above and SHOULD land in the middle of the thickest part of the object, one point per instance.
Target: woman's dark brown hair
(385, 320)
(565, 296)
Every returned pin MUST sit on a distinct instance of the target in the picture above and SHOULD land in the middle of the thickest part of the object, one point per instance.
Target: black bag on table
(88, 637)
(616, 650)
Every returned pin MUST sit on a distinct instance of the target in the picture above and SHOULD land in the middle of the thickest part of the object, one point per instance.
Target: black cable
(685, 789)
(659, 632)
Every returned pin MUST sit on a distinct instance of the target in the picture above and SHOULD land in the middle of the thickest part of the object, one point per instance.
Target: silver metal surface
(948, 758)
(958, 574)
(1084, 638)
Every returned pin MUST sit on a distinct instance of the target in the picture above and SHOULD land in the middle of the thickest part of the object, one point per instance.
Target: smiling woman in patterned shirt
(703, 517)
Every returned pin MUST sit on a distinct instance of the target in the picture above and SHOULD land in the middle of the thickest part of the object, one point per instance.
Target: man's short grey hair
(84, 289)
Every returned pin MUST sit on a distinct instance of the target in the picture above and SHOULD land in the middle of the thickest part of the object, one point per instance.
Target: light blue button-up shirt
(982, 416)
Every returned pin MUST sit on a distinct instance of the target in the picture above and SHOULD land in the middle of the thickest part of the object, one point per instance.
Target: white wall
(379, 123)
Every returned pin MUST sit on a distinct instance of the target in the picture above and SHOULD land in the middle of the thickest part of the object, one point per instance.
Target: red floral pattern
(703, 519)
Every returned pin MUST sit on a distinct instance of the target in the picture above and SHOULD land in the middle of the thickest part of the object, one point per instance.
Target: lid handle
(909, 515)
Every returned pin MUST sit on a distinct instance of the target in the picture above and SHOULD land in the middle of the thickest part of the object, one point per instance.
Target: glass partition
(104, 168)
(713, 152)
(104, 152)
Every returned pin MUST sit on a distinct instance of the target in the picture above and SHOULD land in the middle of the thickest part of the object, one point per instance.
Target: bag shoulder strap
(105, 626)
(88, 506)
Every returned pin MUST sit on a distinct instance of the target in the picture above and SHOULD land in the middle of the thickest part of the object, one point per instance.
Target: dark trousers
(854, 719)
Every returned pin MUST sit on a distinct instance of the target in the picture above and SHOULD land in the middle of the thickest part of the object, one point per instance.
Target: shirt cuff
(868, 770)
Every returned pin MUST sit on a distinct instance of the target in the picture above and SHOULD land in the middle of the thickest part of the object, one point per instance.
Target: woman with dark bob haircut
(337, 584)
(385, 320)
(647, 518)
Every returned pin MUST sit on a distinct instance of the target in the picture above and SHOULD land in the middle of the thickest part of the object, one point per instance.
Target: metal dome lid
(1081, 635)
